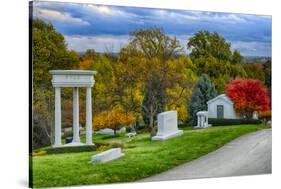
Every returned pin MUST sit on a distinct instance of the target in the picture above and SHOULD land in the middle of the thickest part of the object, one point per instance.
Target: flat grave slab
(108, 155)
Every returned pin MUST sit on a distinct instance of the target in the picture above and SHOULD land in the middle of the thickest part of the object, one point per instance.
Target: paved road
(249, 154)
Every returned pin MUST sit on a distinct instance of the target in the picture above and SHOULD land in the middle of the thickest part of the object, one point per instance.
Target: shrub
(67, 133)
(70, 149)
(118, 145)
(265, 115)
(39, 153)
(221, 122)
(115, 119)
(111, 144)
(182, 125)
(103, 148)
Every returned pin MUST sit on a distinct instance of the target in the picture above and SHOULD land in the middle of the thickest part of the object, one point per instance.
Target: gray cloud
(100, 26)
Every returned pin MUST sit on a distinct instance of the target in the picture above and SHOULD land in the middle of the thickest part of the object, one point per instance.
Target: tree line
(151, 74)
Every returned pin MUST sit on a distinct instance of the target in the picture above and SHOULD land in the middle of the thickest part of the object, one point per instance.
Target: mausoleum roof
(223, 97)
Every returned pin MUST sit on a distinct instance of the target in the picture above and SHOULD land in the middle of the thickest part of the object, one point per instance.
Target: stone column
(57, 116)
(76, 138)
(88, 116)
(201, 121)
(206, 122)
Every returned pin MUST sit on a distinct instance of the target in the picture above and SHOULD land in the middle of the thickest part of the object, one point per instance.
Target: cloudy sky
(107, 28)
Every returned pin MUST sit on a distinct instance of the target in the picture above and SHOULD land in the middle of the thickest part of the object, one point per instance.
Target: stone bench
(107, 155)
(132, 134)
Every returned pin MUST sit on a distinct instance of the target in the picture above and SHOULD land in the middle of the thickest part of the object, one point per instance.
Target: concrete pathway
(247, 155)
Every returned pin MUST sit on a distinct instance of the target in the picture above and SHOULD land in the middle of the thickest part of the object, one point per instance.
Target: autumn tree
(154, 43)
(254, 71)
(116, 118)
(203, 91)
(49, 51)
(177, 95)
(160, 70)
(248, 95)
(153, 103)
(128, 80)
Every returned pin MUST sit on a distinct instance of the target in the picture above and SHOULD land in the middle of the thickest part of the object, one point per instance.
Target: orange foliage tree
(265, 115)
(248, 95)
(114, 119)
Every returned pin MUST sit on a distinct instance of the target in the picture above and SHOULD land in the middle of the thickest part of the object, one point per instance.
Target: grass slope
(142, 158)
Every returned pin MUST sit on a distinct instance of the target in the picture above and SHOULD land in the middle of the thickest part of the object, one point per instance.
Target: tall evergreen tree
(203, 91)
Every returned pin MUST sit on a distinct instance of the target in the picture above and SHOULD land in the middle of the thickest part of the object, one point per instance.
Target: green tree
(267, 74)
(237, 58)
(206, 44)
(203, 91)
(49, 51)
(255, 71)
(89, 54)
(212, 55)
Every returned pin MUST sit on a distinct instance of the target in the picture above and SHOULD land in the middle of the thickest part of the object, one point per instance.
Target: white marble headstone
(167, 125)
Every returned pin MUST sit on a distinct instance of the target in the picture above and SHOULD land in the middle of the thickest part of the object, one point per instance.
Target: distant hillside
(256, 59)
(247, 59)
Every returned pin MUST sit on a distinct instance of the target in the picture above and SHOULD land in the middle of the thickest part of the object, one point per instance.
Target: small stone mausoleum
(221, 107)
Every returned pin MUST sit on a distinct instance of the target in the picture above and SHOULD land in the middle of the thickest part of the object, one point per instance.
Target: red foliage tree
(248, 95)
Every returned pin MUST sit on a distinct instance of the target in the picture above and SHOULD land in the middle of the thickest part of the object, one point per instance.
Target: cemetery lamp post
(75, 79)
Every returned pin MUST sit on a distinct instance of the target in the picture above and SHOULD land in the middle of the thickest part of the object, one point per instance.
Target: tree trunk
(115, 132)
(249, 115)
(151, 126)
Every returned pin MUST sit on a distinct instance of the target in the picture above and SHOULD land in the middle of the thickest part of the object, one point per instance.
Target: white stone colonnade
(75, 79)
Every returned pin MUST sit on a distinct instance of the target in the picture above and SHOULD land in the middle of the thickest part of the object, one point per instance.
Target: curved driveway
(247, 155)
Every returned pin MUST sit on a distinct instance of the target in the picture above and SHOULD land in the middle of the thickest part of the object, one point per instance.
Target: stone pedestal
(202, 119)
(167, 126)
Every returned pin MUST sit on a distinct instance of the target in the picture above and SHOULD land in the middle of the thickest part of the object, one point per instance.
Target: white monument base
(167, 136)
(108, 155)
(198, 127)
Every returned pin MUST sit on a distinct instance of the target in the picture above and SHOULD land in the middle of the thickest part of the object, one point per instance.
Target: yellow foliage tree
(114, 119)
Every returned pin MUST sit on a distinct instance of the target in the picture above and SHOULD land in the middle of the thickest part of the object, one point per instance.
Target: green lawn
(142, 158)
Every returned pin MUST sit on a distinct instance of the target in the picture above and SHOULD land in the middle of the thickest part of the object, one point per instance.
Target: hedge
(75, 149)
(70, 149)
(221, 122)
